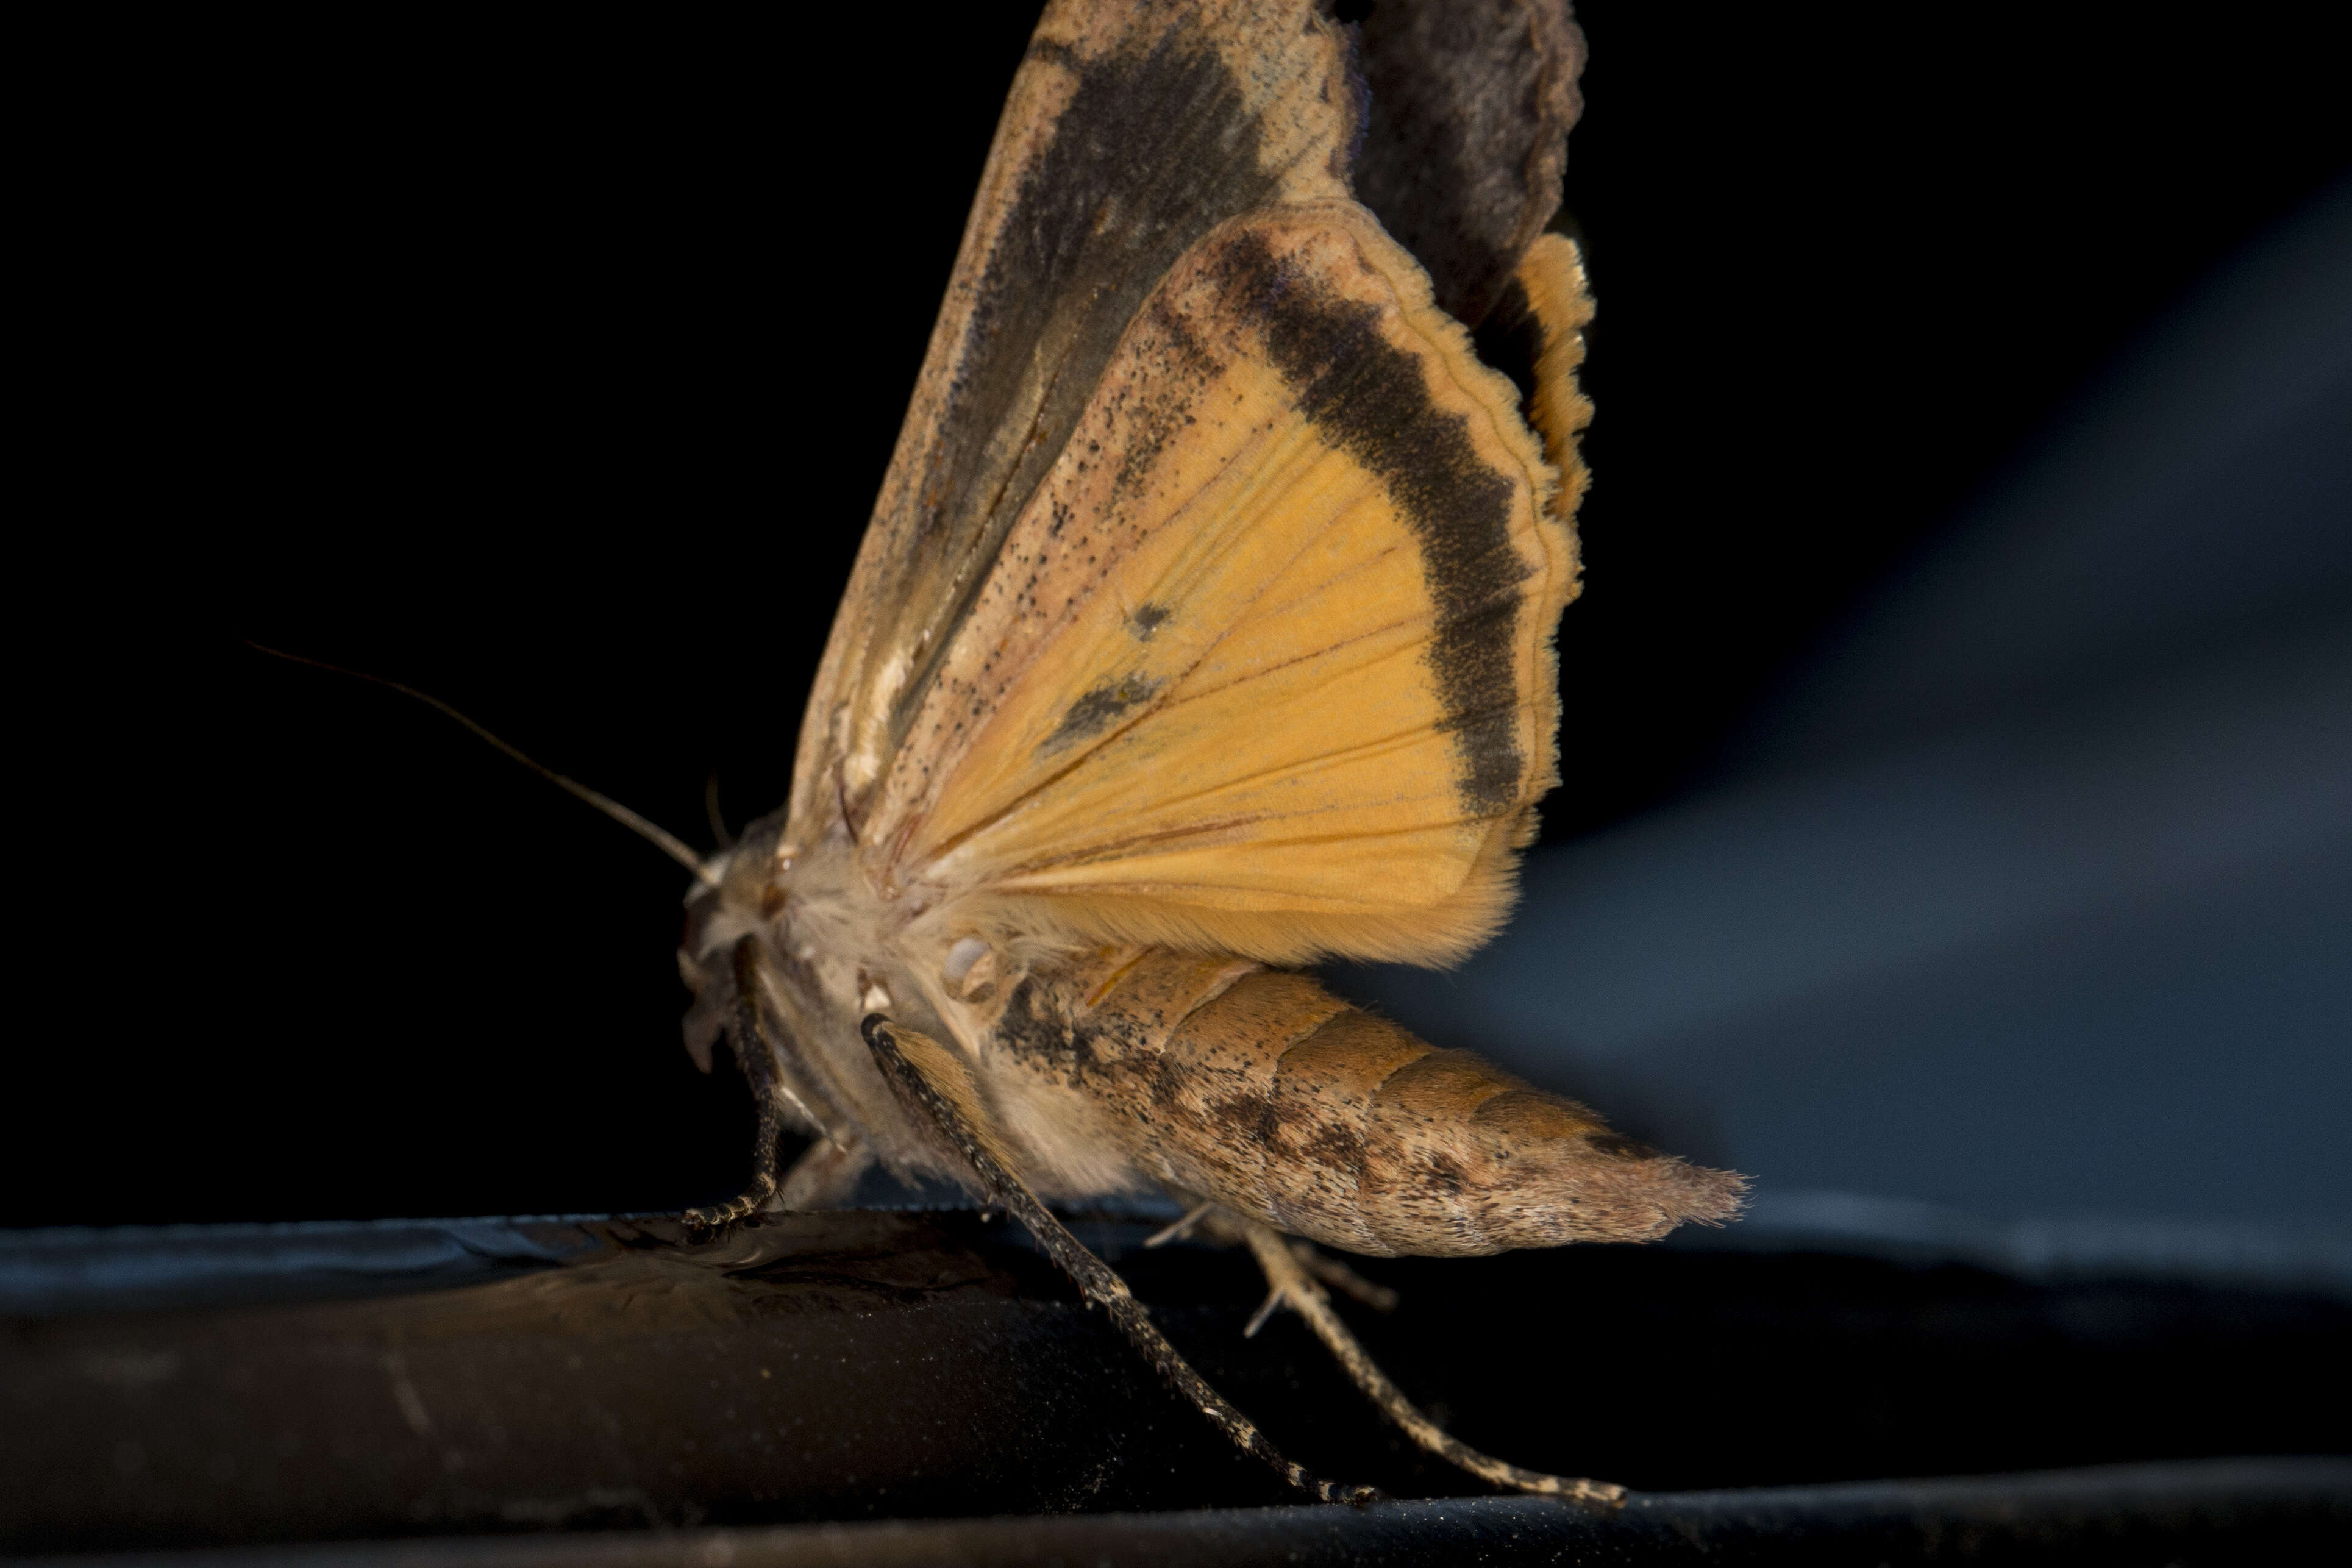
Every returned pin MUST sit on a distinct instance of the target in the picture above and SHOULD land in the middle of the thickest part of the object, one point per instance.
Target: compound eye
(961, 957)
(971, 969)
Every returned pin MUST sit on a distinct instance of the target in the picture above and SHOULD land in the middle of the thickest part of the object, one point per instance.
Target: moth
(1203, 630)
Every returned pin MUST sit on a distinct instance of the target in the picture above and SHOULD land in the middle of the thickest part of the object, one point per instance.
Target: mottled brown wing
(1467, 139)
(1132, 130)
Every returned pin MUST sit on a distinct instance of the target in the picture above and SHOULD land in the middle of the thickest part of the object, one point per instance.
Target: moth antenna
(661, 840)
(719, 831)
(971, 1136)
(1295, 1286)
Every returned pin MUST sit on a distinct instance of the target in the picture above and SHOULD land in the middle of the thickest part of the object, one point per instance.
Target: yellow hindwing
(1264, 663)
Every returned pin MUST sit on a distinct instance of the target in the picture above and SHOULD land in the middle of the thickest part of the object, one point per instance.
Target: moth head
(746, 891)
(748, 881)
(764, 892)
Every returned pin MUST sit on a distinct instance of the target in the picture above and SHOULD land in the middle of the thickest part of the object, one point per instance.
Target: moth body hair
(829, 943)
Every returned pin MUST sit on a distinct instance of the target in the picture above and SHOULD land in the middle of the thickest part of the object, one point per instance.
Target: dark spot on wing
(1093, 713)
(1371, 400)
(1146, 620)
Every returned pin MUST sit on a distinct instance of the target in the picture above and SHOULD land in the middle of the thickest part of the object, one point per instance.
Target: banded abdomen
(1260, 1089)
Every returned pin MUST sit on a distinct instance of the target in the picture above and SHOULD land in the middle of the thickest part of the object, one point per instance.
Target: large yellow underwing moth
(1204, 629)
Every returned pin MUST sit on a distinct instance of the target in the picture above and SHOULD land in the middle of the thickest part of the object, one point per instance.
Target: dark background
(552, 368)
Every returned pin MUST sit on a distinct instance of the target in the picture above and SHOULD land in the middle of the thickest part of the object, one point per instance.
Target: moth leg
(1294, 1285)
(1211, 1222)
(825, 1175)
(1342, 1278)
(933, 1083)
(1183, 1227)
(752, 1052)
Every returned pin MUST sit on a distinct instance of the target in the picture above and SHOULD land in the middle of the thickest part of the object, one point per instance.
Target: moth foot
(1278, 1296)
(1344, 1279)
(1183, 1227)
(704, 1224)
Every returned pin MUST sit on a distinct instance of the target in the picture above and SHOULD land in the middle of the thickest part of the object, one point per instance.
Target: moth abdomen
(1261, 1090)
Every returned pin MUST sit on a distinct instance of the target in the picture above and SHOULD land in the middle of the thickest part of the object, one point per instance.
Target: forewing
(1265, 664)
(1131, 130)
(1467, 139)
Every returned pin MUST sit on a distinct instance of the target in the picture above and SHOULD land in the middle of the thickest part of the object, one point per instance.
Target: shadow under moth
(1203, 630)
